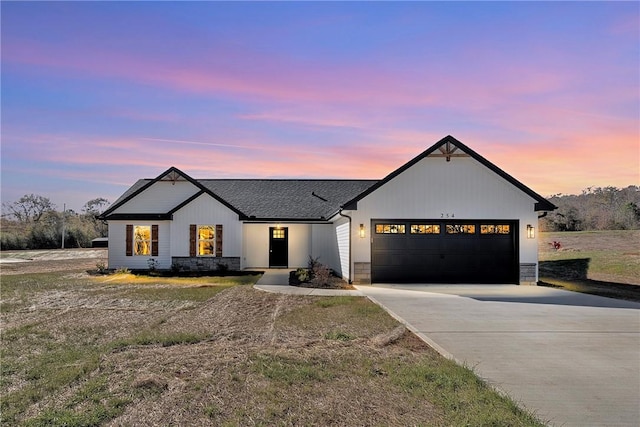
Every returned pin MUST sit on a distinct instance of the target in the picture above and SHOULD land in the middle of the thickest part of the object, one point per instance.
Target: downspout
(349, 218)
(543, 214)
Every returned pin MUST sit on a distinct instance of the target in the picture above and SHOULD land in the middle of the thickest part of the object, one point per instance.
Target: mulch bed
(334, 283)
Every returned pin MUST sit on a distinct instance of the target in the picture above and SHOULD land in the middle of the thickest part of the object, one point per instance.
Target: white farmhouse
(447, 216)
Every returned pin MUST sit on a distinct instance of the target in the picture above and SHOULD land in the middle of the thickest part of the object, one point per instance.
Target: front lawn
(130, 350)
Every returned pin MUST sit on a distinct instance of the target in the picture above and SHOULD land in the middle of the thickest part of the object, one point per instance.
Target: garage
(444, 251)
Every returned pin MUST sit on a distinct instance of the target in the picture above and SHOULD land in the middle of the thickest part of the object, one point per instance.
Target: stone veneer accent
(528, 274)
(362, 273)
(205, 263)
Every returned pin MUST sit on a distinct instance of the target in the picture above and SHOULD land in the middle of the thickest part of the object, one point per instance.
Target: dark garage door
(439, 251)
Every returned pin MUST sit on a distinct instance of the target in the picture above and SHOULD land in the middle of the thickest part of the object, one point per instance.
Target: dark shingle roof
(287, 199)
(273, 199)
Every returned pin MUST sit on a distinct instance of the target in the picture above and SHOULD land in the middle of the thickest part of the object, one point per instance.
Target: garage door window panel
(461, 229)
(495, 229)
(425, 229)
(390, 229)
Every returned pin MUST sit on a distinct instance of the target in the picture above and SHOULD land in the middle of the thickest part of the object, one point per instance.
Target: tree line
(596, 208)
(33, 222)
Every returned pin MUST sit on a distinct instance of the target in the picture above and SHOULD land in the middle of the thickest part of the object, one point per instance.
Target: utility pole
(64, 214)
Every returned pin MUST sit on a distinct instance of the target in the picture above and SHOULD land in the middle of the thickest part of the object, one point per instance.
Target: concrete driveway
(571, 358)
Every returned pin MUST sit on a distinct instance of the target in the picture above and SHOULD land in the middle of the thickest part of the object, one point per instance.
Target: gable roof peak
(458, 150)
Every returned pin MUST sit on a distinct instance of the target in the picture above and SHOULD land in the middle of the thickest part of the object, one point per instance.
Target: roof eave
(139, 217)
(320, 220)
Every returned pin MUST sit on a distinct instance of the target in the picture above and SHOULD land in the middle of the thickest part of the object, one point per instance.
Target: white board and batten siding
(460, 189)
(256, 244)
(118, 246)
(305, 240)
(205, 210)
(324, 246)
(161, 197)
(342, 231)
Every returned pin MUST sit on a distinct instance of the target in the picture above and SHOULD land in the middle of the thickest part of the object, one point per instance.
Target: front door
(278, 247)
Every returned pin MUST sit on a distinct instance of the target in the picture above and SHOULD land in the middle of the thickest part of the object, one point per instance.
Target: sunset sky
(96, 95)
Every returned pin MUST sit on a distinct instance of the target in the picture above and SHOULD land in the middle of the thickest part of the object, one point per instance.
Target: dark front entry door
(278, 247)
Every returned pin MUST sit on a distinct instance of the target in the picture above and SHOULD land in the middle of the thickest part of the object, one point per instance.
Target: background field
(602, 262)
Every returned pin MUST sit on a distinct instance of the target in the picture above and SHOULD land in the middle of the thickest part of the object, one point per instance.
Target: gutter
(349, 218)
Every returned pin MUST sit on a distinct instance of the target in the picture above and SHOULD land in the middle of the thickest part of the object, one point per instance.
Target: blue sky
(98, 94)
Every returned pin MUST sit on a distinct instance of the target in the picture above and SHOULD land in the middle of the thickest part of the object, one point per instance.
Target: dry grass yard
(85, 350)
(604, 263)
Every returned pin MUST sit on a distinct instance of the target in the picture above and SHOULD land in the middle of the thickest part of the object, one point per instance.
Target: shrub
(321, 276)
(303, 274)
(101, 267)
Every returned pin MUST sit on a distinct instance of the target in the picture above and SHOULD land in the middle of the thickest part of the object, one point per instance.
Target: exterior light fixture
(361, 232)
(531, 232)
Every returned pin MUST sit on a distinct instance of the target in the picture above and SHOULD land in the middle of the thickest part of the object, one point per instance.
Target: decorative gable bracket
(447, 151)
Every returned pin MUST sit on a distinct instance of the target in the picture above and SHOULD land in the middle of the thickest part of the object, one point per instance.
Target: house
(447, 216)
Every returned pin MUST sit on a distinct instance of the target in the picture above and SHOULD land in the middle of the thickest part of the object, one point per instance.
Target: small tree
(29, 208)
(91, 213)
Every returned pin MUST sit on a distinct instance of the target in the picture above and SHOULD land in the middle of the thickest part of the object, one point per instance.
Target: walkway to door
(277, 280)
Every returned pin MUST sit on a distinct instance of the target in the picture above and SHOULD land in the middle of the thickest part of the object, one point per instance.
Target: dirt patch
(28, 262)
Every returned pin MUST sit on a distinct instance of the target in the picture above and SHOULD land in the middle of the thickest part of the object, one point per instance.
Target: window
(495, 229)
(425, 229)
(206, 240)
(141, 240)
(278, 233)
(461, 229)
(390, 228)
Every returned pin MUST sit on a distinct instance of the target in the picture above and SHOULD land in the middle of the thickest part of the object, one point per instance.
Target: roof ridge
(290, 179)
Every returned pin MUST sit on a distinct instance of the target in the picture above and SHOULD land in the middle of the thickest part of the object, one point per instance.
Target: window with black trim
(142, 240)
(461, 229)
(206, 240)
(278, 233)
(425, 229)
(495, 229)
(390, 229)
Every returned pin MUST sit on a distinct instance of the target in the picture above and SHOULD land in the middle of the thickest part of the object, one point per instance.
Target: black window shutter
(154, 240)
(219, 240)
(129, 240)
(193, 241)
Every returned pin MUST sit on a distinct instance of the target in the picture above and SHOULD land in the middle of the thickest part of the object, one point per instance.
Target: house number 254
(447, 215)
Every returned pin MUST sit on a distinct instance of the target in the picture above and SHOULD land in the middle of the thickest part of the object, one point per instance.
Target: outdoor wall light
(361, 231)
(531, 231)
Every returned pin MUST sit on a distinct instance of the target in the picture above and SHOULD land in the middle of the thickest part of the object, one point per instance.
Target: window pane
(495, 229)
(278, 233)
(206, 239)
(461, 229)
(425, 229)
(390, 228)
(141, 240)
(206, 232)
(205, 247)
